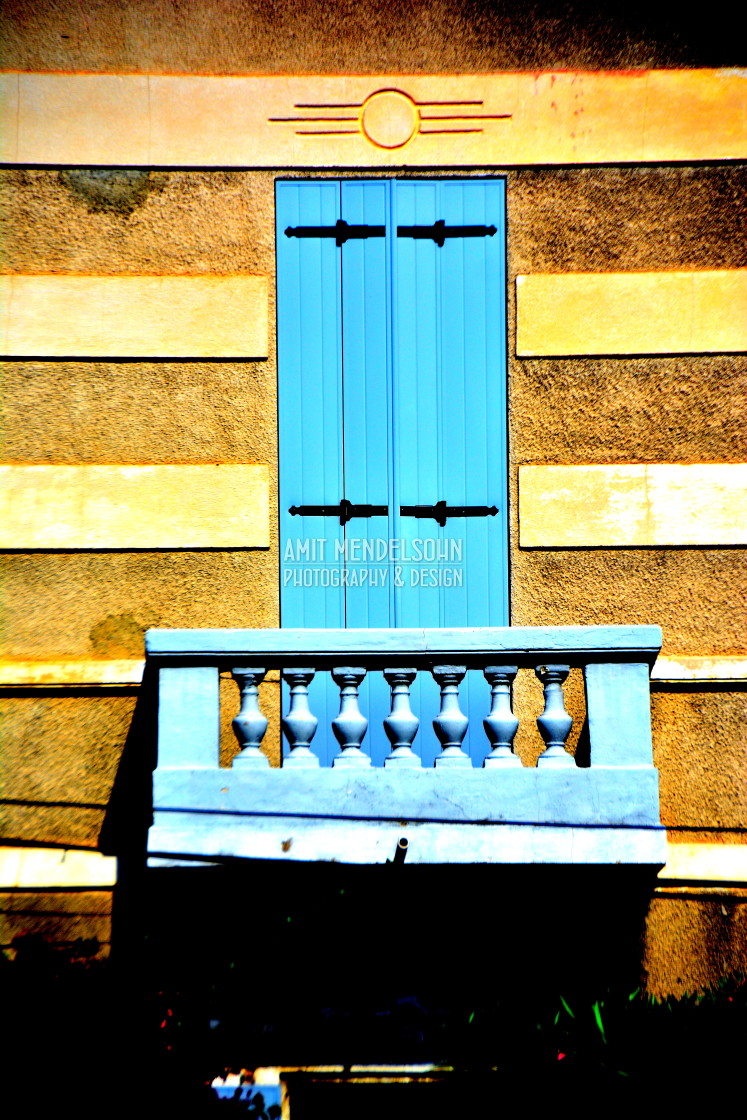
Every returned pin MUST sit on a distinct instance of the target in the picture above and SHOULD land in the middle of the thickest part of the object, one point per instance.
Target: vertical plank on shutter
(310, 416)
(366, 427)
(449, 372)
(416, 418)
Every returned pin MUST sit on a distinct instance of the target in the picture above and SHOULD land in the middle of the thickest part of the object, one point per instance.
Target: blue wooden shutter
(392, 391)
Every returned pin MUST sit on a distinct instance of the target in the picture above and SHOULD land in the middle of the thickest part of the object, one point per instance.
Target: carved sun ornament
(389, 118)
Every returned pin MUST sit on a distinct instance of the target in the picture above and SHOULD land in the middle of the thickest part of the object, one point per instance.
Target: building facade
(181, 372)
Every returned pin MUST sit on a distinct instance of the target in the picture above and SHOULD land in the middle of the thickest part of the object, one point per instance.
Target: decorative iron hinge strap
(341, 232)
(439, 231)
(345, 511)
(441, 511)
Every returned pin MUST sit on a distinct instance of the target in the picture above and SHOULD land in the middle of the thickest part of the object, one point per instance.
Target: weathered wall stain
(118, 635)
(118, 192)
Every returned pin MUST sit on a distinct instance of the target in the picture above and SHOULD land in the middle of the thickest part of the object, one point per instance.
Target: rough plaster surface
(630, 410)
(61, 917)
(287, 36)
(700, 748)
(197, 412)
(697, 596)
(692, 943)
(185, 222)
(664, 409)
(91, 412)
(627, 219)
(66, 749)
(60, 755)
(74, 593)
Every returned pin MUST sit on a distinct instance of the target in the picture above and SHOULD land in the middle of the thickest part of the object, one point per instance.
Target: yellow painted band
(134, 316)
(36, 868)
(633, 505)
(122, 673)
(682, 668)
(129, 507)
(564, 117)
(631, 313)
(71, 673)
(706, 862)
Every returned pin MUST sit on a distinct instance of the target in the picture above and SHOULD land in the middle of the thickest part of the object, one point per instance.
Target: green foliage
(630, 1034)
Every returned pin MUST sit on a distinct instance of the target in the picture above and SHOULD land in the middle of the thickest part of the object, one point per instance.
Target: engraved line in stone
(431, 103)
(469, 117)
(309, 120)
(447, 131)
(357, 105)
(330, 132)
(322, 106)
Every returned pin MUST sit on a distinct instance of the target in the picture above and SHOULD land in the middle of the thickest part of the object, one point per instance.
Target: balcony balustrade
(603, 812)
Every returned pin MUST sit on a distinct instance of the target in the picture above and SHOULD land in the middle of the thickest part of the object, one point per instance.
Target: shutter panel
(393, 393)
(309, 417)
(450, 415)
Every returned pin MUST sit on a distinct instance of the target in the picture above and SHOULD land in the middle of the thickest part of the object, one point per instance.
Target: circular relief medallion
(389, 118)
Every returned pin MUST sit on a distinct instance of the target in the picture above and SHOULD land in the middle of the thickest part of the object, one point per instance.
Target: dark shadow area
(735, 685)
(122, 359)
(583, 747)
(26, 803)
(522, 980)
(455, 1095)
(315, 963)
(124, 831)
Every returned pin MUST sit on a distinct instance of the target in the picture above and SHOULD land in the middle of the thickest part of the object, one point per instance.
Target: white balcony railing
(557, 812)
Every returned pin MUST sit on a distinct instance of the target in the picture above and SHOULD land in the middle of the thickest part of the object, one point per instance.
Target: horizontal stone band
(633, 505)
(56, 316)
(132, 507)
(631, 313)
(502, 119)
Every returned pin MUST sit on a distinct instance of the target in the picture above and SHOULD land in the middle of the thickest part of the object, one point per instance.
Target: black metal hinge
(439, 231)
(345, 511)
(341, 232)
(441, 511)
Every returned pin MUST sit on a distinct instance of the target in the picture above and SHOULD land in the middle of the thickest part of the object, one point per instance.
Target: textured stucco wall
(93, 412)
(58, 917)
(64, 749)
(344, 36)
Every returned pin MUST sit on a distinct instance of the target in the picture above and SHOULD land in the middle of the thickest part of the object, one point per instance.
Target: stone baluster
(299, 726)
(350, 725)
(554, 723)
(451, 723)
(501, 725)
(401, 725)
(249, 725)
